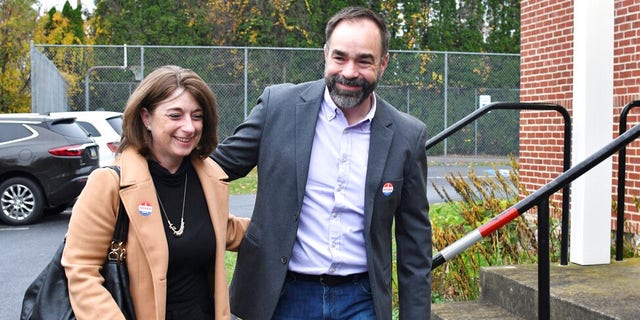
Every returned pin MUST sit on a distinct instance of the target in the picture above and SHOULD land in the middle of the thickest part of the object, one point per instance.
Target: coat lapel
(379, 146)
(217, 199)
(306, 116)
(138, 191)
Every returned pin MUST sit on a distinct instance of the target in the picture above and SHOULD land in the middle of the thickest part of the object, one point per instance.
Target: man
(336, 167)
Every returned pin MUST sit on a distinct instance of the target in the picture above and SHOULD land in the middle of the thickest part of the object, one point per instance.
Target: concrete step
(610, 291)
(470, 310)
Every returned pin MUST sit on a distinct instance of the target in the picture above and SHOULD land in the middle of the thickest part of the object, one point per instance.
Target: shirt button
(284, 260)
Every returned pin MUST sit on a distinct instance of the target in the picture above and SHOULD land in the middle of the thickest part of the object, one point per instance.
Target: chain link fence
(439, 88)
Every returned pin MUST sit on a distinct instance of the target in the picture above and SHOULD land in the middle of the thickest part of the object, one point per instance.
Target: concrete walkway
(242, 205)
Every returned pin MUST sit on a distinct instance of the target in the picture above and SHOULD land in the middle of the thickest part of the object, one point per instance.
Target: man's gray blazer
(277, 138)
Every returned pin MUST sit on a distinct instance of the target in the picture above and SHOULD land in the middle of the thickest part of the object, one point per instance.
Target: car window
(13, 131)
(116, 124)
(68, 129)
(90, 128)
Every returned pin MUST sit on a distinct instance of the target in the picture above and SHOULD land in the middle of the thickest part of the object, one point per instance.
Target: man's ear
(383, 64)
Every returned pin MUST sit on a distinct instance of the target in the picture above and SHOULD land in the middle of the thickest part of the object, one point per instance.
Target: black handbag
(47, 297)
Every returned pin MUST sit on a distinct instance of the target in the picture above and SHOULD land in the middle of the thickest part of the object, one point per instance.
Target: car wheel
(21, 201)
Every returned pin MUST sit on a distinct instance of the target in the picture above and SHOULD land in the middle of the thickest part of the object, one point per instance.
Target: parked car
(105, 127)
(44, 164)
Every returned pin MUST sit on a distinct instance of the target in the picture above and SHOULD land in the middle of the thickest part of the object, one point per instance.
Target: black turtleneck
(191, 256)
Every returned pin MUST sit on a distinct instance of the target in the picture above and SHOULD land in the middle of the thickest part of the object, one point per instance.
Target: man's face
(353, 62)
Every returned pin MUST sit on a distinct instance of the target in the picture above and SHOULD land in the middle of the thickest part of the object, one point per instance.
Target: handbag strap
(117, 250)
(122, 225)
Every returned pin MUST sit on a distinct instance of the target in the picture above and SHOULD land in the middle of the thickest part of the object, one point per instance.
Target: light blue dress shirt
(330, 238)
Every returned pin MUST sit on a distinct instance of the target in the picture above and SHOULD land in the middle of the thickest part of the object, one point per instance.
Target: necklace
(176, 232)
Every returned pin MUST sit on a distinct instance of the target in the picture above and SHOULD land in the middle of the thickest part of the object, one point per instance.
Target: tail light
(68, 151)
(113, 146)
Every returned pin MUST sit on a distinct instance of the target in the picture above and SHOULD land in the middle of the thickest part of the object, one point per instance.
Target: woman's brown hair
(158, 86)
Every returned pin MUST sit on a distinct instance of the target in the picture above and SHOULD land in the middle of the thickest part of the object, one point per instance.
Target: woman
(177, 202)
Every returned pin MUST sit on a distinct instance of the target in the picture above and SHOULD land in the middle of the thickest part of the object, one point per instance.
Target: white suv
(105, 127)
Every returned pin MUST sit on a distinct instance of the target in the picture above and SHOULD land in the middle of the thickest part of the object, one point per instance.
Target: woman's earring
(148, 128)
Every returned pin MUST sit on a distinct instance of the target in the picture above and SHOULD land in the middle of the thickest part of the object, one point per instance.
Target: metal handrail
(541, 199)
(564, 240)
(622, 163)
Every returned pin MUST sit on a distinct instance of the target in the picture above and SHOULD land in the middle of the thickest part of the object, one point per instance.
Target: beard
(347, 99)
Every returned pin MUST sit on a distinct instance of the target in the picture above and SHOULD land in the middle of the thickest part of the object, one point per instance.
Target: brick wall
(626, 86)
(546, 76)
(546, 58)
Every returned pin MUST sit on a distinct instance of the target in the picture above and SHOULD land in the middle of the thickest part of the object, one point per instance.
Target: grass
(246, 185)
(230, 264)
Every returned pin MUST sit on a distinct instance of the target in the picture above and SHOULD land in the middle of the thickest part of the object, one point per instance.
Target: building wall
(546, 60)
(547, 75)
(626, 86)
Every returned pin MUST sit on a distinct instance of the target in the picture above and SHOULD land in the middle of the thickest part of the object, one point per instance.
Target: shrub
(483, 198)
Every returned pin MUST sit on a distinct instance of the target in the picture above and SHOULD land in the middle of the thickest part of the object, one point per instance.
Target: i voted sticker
(387, 189)
(145, 208)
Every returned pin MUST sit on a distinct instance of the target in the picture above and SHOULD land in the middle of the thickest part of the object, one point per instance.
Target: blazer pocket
(253, 234)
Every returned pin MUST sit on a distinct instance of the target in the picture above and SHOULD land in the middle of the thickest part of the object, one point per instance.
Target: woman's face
(176, 127)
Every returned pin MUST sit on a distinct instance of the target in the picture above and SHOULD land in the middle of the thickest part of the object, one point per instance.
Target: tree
(407, 21)
(440, 32)
(65, 27)
(76, 23)
(437, 25)
(224, 18)
(159, 22)
(17, 22)
(470, 26)
(503, 20)
(279, 23)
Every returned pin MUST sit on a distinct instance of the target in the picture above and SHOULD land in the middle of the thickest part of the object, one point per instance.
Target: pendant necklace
(176, 232)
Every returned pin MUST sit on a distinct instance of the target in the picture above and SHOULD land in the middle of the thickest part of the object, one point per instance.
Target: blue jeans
(307, 300)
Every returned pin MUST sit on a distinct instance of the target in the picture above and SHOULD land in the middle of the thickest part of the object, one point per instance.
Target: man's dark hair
(355, 13)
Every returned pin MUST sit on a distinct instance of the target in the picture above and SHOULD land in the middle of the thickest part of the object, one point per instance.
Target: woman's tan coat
(91, 228)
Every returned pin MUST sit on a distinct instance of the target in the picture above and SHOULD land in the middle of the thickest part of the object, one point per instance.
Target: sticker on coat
(387, 189)
(145, 208)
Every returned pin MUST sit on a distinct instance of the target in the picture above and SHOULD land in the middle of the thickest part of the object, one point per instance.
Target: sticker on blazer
(145, 208)
(387, 189)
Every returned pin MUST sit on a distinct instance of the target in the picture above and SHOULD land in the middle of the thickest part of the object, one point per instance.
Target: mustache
(349, 82)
